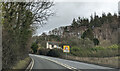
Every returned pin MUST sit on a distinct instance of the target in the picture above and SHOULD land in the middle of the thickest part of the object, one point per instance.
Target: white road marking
(64, 65)
(32, 63)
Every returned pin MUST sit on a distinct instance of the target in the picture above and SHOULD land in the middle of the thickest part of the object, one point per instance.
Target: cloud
(66, 11)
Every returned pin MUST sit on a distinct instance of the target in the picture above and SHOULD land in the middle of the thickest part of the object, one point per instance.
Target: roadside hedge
(97, 51)
(50, 52)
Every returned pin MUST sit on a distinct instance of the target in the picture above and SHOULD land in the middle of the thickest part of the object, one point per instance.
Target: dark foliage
(34, 47)
(54, 53)
(96, 41)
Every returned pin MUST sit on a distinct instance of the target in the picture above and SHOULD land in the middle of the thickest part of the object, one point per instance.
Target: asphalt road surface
(57, 64)
(41, 64)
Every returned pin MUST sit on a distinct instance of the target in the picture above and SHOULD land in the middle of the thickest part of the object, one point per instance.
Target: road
(52, 63)
(42, 64)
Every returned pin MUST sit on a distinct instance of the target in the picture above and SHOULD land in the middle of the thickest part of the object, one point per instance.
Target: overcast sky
(66, 11)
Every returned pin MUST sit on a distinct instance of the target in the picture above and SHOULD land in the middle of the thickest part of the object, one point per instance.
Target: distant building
(52, 45)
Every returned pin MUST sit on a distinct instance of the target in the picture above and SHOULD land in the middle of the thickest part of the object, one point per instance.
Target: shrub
(82, 52)
(115, 46)
(99, 48)
(96, 41)
(95, 51)
(83, 43)
(43, 51)
(55, 53)
(88, 34)
(34, 47)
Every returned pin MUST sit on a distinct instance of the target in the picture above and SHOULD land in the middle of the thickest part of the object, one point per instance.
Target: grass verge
(22, 64)
(107, 61)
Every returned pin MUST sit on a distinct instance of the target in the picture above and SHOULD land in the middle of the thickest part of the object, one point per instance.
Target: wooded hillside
(104, 29)
(87, 37)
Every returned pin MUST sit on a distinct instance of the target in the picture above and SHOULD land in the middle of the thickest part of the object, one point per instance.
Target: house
(52, 45)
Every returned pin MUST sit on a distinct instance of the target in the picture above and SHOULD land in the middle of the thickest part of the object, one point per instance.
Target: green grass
(22, 64)
(107, 61)
(106, 56)
(97, 51)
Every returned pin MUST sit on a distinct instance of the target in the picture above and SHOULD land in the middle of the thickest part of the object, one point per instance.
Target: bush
(50, 52)
(34, 47)
(97, 48)
(43, 51)
(115, 46)
(88, 34)
(83, 43)
(95, 51)
(82, 52)
(96, 41)
(55, 53)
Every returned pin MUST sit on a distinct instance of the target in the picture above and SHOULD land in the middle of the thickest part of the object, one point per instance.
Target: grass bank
(22, 64)
(106, 61)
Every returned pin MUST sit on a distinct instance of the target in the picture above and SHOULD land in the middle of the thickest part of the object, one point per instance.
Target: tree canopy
(19, 20)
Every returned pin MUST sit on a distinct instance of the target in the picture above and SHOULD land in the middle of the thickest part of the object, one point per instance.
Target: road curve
(41, 64)
(45, 62)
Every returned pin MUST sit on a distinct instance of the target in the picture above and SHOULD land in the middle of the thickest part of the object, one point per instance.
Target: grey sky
(66, 11)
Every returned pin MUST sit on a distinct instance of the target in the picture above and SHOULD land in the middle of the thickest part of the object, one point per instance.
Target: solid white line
(28, 66)
(64, 65)
(32, 64)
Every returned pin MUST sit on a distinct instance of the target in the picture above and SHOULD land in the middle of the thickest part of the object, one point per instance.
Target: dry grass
(107, 61)
(22, 64)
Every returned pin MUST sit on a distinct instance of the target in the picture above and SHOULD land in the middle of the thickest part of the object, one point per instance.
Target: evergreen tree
(74, 23)
(88, 34)
(96, 41)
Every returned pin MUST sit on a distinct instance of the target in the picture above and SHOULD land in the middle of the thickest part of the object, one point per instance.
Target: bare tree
(41, 12)
(19, 19)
